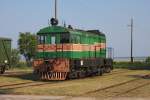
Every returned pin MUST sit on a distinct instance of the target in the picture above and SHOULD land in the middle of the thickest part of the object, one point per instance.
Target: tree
(27, 46)
(15, 57)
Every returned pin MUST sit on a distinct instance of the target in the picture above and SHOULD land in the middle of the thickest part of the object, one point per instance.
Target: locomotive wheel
(100, 71)
(36, 71)
(72, 75)
(2, 70)
(81, 74)
(108, 69)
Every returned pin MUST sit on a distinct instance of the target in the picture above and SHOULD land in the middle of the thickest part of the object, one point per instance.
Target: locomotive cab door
(55, 37)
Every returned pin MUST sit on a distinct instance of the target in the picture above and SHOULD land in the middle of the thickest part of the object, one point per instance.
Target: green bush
(15, 57)
(147, 60)
(131, 65)
(21, 65)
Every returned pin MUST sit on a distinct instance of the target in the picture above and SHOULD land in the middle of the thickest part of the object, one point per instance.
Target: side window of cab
(64, 38)
(75, 39)
(41, 39)
(53, 39)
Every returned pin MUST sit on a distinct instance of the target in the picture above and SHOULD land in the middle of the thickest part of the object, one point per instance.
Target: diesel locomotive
(67, 53)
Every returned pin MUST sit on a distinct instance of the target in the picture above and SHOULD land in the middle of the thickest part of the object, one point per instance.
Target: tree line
(26, 47)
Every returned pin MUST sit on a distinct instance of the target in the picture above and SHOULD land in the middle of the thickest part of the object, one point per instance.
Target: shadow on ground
(140, 76)
(23, 75)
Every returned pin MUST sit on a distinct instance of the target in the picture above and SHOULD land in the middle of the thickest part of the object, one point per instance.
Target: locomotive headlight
(5, 61)
(81, 62)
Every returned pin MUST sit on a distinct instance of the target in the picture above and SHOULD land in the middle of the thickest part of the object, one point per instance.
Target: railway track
(116, 89)
(29, 84)
(122, 84)
(117, 72)
(37, 83)
(133, 89)
(24, 84)
(112, 86)
(2, 86)
(9, 73)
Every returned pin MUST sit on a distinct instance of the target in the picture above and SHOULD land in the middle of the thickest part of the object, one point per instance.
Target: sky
(111, 17)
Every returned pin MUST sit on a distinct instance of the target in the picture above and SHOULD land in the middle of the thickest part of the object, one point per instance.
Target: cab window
(53, 40)
(75, 39)
(41, 39)
(64, 38)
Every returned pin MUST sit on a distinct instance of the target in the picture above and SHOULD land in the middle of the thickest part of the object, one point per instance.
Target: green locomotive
(67, 53)
(5, 54)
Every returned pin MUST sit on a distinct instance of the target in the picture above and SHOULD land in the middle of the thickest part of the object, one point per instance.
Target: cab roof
(60, 29)
(53, 29)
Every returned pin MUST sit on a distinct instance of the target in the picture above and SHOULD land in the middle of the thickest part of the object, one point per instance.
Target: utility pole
(131, 27)
(55, 9)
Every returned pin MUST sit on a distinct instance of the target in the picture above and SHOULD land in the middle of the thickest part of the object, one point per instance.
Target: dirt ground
(33, 97)
(119, 84)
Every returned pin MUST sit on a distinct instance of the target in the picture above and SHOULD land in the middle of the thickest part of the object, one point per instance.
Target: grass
(21, 66)
(76, 87)
(70, 87)
(20, 69)
(129, 65)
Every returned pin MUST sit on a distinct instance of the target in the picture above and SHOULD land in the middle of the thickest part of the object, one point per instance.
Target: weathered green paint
(75, 36)
(52, 29)
(5, 50)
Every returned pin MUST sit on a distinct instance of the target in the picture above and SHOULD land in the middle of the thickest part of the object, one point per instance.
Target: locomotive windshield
(41, 39)
(54, 38)
(64, 38)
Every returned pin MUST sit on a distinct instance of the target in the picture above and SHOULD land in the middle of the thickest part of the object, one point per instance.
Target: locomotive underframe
(63, 68)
